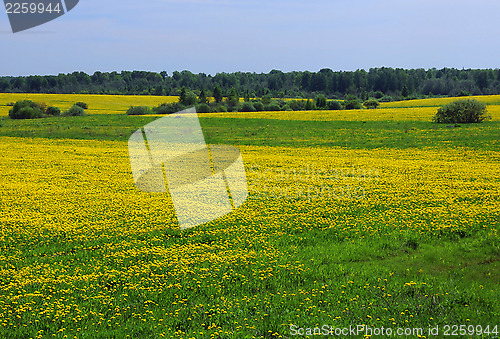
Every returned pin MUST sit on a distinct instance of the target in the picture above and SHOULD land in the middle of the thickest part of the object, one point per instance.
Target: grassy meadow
(363, 217)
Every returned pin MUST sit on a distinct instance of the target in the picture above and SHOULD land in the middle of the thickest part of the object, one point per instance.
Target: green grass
(274, 132)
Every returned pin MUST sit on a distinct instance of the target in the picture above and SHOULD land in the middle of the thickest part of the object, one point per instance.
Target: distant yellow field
(415, 110)
(98, 104)
(381, 114)
(487, 99)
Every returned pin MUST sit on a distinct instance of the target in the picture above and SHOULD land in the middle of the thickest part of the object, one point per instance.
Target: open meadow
(354, 217)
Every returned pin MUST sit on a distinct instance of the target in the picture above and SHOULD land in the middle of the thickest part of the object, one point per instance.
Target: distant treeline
(377, 82)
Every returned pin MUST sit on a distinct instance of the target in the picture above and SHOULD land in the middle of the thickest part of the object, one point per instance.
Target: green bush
(203, 108)
(162, 109)
(26, 109)
(334, 105)
(53, 111)
(138, 110)
(74, 111)
(266, 99)
(247, 107)
(386, 98)
(259, 106)
(220, 108)
(371, 103)
(462, 111)
(82, 105)
(28, 113)
(309, 105)
(168, 108)
(297, 105)
(273, 106)
(352, 102)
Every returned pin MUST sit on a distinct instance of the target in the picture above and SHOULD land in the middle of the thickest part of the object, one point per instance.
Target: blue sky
(213, 36)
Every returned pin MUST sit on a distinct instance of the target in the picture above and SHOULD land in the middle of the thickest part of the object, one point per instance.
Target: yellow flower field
(390, 235)
(77, 192)
(98, 104)
(487, 99)
(381, 114)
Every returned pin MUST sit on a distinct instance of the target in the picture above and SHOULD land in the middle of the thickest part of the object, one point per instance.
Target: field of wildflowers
(397, 229)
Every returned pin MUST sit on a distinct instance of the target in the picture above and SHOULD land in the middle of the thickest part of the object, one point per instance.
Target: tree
(320, 101)
(233, 99)
(405, 92)
(187, 98)
(377, 82)
(246, 97)
(202, 98)
(4, 85)
(218, 94)
(481, 78)
(183, 95)
(462, 111)
(159, 91)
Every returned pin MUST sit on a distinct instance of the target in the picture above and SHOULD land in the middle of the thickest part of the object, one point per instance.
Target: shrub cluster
(371, 103)
(74, 111)
(138, 110)
(462, 111)
(352, 102)
(53, 111)
(233, 104)
(82, 105)
(27, 109)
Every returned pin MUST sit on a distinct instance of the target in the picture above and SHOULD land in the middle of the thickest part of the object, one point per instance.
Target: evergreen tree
(202, 98)
(405, 92)
(218, 94)
(183, 96)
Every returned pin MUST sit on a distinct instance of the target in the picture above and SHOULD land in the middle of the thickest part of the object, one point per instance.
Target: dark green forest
(384, 83)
